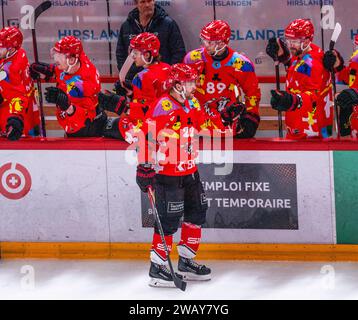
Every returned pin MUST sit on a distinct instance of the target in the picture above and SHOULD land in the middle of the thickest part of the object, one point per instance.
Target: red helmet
(11, 37)
(181, 72)
(300, 29)
(70, 46)
(217, 30)
(146, 42)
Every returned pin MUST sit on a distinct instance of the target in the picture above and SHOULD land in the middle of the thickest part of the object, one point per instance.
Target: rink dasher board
(92, 196)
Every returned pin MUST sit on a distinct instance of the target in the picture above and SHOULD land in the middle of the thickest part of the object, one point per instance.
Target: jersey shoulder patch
(195, 56)
(355, 57)
(164, 106)
(305, 65)
(241, 63)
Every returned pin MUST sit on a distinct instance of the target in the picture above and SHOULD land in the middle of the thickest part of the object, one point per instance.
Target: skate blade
(188, 276)
(159, 283)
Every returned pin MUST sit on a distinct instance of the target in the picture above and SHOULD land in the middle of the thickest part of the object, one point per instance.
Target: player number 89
(211, 89)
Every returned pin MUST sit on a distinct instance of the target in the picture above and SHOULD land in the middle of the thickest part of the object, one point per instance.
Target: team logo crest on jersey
(16, 105)
(75, 87)
(167, 105)
(195, 55)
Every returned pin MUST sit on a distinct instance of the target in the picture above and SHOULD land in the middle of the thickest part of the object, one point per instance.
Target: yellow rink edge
(140, 251)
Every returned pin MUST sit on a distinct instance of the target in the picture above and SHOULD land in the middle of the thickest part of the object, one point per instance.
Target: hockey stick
(180, 284)
(278, 88)
(38, 11)
(336, 33)
(110, 37)
(3, 13)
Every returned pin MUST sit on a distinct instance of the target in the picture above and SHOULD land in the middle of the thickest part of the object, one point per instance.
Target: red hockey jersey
(308, 77)
(17, 90)
(177, 126)
(147, 87)
(229, 78)
(82, 89)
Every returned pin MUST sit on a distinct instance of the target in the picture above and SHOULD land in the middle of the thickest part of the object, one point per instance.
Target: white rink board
(91, 196)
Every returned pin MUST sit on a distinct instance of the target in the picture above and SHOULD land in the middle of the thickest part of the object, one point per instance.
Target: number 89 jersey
(232, 76)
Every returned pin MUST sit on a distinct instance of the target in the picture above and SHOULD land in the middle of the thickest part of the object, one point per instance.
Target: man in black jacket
(150, 17)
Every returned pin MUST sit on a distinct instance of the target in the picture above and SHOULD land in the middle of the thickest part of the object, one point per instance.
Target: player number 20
(211, 89)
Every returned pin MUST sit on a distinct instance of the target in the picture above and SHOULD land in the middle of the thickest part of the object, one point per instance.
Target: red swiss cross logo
(15, 181)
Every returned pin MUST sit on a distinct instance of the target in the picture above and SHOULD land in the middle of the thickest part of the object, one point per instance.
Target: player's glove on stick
(39, 68)
(123, 90)
(247, 126)
(145, 177)
(14, 128)
(273, 48)
(284, 101)
(331, 59)
(348, 98)
(57, 96)
(112, 102)
(232, 113)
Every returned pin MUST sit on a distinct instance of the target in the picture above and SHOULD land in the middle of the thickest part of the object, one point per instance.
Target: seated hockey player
(146, 87)
(178, 189)
(76, 93)
(307, 100)
(224, 76)
(17, 102)
(347, 100)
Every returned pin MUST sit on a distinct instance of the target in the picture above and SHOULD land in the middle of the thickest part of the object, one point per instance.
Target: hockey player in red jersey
(224, 76)
(178, 189)
(146, 86)
(76, 93)
(18, 110)
(348, 99)
(307, 100)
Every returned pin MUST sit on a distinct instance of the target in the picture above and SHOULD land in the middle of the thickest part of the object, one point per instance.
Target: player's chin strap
(307, 47)
(217, 50)
(181, 93)
(70, 66)
(147, 62)
(9, 55)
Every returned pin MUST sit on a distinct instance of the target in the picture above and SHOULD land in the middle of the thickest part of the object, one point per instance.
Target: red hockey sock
(157, 254)
(190, 240)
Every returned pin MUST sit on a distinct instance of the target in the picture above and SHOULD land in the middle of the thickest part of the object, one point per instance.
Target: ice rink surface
(232, 280)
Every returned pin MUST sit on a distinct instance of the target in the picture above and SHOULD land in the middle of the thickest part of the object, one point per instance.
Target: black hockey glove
(40, 68)
(232, 113)
(348, 98)
(145, 177)
(247, 126)
(14, 128)
(57, 96)
(124, 90)
(284, 101)
(273, 48)
(330, 59)
(111, 102)
(345, 121)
